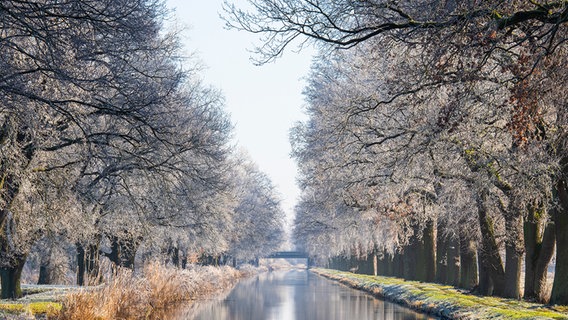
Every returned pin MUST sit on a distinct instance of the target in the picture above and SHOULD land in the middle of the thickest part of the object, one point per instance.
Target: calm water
(297, 295)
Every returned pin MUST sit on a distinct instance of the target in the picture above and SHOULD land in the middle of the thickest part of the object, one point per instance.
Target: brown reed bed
(149, 295)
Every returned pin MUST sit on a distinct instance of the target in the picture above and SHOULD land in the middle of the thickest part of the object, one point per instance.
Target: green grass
(445, 300)
(34, 308)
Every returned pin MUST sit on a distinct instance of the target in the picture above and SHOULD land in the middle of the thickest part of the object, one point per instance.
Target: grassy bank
(150, 295)
(42, 301)
(29, 310)
(444, 301)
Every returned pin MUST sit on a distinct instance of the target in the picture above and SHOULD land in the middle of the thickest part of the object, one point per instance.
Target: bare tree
(91, 108)
(377, 146)
(496, 52)
(258, 223)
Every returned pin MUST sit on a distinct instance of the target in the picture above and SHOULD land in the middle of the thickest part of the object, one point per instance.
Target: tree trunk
(365, 265)
(414, 263)
(492, 274)
(44, 274)
(441, 254)
(184, 261)
(541, 270)
(513, 272)
(88, 262)
(114, 255)
(539, 247)
(10, 278)
(53, 267)
(93, 260)
(80, 264)
(334, 263)
(559, 293)
(468, 262)
(174, 255)
(45, 271)
(123, 251)
(532, 234)
(384, 264)
(398, 264)
(427, 265)
(453, 268)
(514, 250)
(375, 264)
(11, 259)
(387, 264)
(409, 254)
(342, 263)
(11, 264)
(485, 285)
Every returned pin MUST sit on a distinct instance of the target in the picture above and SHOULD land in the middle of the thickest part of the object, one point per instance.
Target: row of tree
(109, 141)
(437, 136)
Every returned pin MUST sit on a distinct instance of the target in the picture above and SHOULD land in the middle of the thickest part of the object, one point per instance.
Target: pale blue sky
(264, 102)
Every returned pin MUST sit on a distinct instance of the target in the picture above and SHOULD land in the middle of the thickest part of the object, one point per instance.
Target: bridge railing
(288, 255)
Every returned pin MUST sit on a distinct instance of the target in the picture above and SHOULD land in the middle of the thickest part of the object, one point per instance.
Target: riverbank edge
(445, 302)
(46, 301)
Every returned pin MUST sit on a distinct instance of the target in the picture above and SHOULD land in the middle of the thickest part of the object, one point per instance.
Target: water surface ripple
(297, 295)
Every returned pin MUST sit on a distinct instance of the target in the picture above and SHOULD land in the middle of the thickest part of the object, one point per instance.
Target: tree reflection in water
(296, 295)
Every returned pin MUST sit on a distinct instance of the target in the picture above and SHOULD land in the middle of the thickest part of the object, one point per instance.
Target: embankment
(149, 295)
(442, 301)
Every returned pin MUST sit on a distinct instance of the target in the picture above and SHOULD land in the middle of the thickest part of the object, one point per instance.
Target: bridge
(288, 255)
(294, 258)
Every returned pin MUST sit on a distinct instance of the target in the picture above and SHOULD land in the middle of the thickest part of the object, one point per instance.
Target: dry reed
(146, 297)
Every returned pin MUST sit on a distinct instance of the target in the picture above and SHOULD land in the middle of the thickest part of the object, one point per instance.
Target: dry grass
(146, 297)
(248, 270)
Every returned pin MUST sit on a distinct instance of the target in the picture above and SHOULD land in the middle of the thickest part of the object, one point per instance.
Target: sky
(264, 101)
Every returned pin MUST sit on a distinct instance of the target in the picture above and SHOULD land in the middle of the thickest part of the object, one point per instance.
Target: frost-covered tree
(258, 223)
(379, 152)
(74, 88)
(97, 116)
(473, 79)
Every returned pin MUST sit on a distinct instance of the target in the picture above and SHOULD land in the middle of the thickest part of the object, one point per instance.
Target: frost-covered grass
(39, 300)
(150, 295)
(38, 293)
(444, 301)
(248, 270)
(29, 310)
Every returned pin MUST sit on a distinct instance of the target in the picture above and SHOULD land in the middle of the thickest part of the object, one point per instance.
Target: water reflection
(297, 294)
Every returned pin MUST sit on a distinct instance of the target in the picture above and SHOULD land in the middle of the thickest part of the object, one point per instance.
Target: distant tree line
(109, 143)
(437, 137)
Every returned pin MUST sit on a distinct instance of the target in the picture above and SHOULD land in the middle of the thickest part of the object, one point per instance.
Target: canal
(297, 295)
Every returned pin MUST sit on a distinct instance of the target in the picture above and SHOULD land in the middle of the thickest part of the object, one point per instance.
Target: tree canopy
(432, 125)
